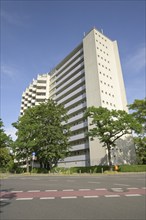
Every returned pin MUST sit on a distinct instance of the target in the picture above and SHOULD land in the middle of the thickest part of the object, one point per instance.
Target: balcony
(79, 126)
(70, 87)
(77, 108)
(66, 63)
(41, 84)
(69, 81)
(83, 146)
(76, 118)
(77, 137)
(76, 158)
(78, 99)
(79, 90)
(69, 67)
(70, 73)
(41, 97)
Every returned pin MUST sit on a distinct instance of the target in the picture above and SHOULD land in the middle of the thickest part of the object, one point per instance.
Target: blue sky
(36, 35)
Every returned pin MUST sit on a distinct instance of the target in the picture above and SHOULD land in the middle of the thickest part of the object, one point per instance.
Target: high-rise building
(90, 75)
(37, 92)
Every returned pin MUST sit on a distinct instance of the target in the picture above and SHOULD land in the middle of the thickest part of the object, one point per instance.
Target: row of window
(78, 142)
(106, 83)
(103, 51)
(101, 44)
(101, 37)
(79, 132)
(104, 66)
(108, 93)
(105, 75)
(80, 152)
(108, 103)
(103, 59)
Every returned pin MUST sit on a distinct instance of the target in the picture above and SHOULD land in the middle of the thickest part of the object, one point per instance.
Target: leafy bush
(132, 168)
(39, 170)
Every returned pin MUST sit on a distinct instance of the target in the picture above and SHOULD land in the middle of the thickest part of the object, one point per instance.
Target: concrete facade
(90, 75)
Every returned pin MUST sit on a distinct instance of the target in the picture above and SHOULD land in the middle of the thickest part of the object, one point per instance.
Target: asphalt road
(110, 197)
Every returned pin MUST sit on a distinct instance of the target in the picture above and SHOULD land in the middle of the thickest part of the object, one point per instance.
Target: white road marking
(51, 190)
(67, 190)
(143, 187)
(16, 191)
(101, 189)
(24, 198)
(130, 195)
(132, 188)
(33, 191)
(90, 196)
(84, 189)
(3, 199)
(117, 189)
(120, 184)
(69, 197)
(110, 196)
(47, 198)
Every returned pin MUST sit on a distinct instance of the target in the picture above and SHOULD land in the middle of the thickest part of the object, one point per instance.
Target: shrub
(132, 168)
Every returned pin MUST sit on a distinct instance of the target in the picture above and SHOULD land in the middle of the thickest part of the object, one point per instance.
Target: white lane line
(16, 191)
(69, 197)
(101, 189)
(24, 198)
(51, 190)
(120, 184)
(4, 199)
(33, 191)
(68, 190)
(143, 187)
(86, 197)
(47, 198)
(130, 195)
(110, 196)
(84, 189)
(132, 188)
(117, 189)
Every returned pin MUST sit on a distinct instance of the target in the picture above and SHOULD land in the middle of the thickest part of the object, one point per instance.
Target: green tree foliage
(5, 158)
(139, 112)
(43, 130)
(109, 126)
(5, 142)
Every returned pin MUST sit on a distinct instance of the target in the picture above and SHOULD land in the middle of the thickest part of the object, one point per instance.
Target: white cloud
(11, 19)
(11, 131)
(134, 74)
(8, 71)
(135, 63)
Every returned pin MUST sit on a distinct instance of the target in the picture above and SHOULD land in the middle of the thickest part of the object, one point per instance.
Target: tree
(109, 126)
(43, 130)
(5, 158)
(52, 133)
(5, 142)
(139, 112)
(25, 142)
(5, 139)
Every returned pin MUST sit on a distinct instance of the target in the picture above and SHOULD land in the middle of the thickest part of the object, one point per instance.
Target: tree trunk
(109, 157)
(27, 165)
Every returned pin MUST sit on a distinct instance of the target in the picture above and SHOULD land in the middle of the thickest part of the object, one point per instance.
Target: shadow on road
(5, 197)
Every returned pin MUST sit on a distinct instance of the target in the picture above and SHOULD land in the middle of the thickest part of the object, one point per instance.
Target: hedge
(132, 168)
(99, 169)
